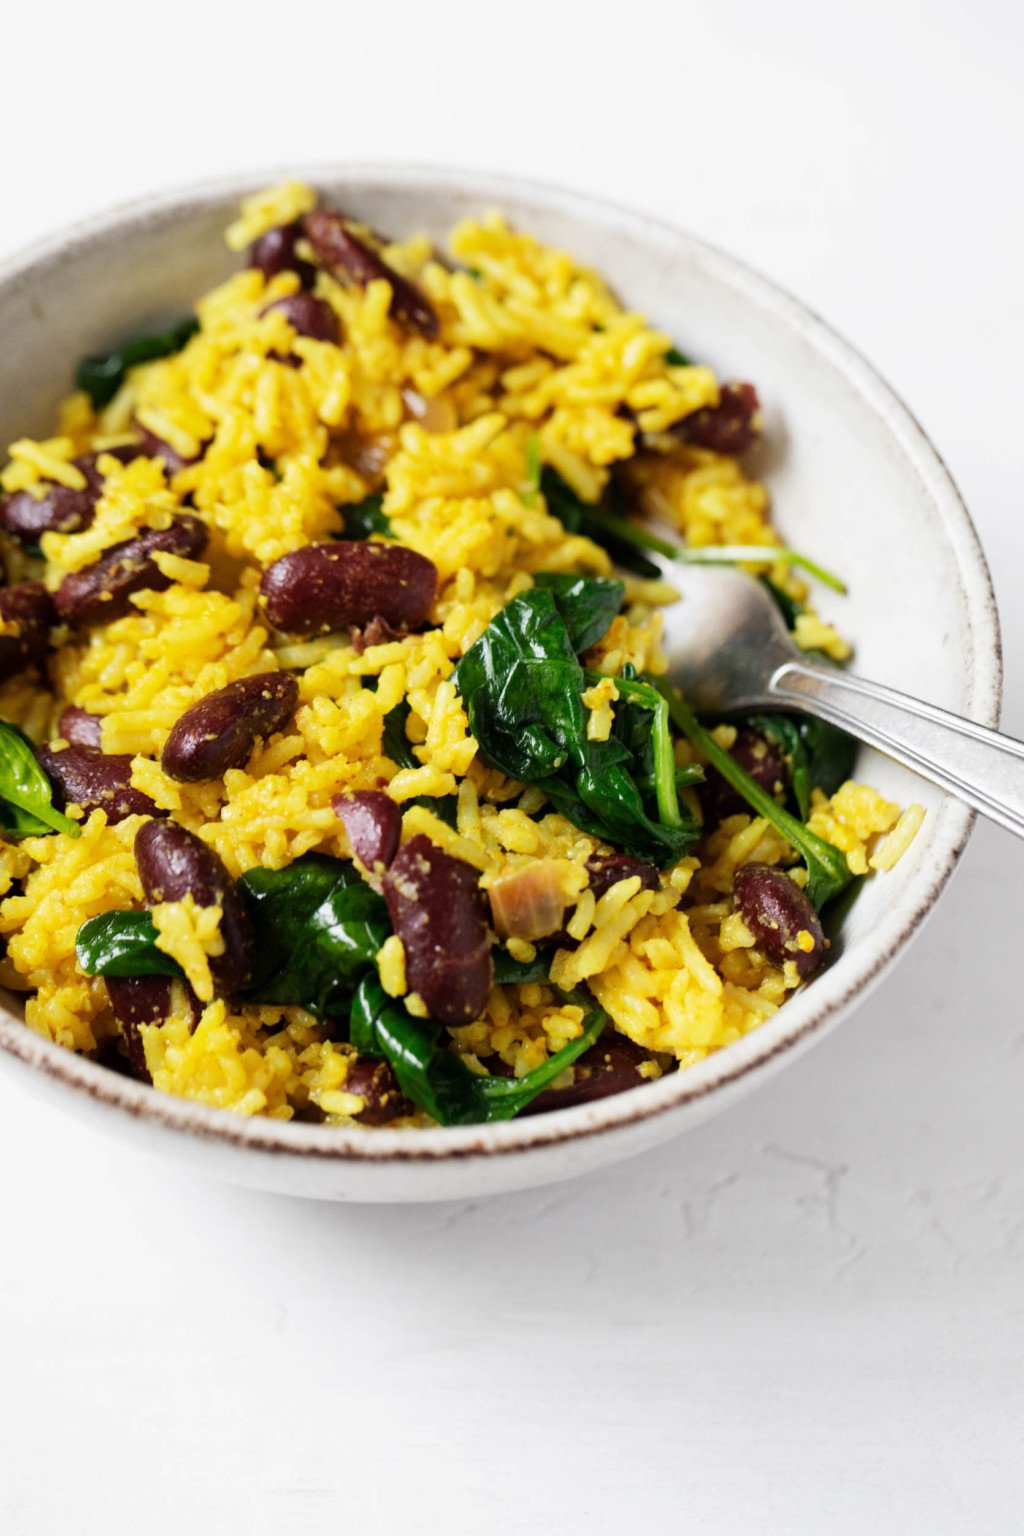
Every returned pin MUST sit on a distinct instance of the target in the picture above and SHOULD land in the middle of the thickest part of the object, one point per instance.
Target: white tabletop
(806, 1316)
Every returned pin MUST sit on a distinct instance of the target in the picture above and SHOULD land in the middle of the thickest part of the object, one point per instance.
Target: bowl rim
(808, 1014)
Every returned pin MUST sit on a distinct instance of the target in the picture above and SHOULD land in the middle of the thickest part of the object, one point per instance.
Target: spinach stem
(711, 554)
(827, 868)
(661, 741)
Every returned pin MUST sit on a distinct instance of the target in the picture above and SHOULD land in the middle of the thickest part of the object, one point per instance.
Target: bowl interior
(853, 480)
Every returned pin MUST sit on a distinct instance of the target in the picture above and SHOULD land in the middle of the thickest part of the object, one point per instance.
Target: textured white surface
(805, 1316)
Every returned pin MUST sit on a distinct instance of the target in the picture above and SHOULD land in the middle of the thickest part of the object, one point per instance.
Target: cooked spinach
(318, 925)
(435, 1078)
(361, 518)
(522, 685)
(587, 604)
(677, 359)
(26, 795)
(579, 517)
(827, 868)
(509, 972)
(394, 741)
(102, 374)
(122, 943)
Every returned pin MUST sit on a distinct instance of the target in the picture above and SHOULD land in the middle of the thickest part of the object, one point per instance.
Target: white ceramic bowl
(855, 482)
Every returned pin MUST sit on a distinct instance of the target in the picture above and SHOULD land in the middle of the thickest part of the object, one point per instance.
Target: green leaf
(579, 517)
(827, 868)
(317, 926)
(26, 796)
(522, 686)
(587, 604)
(435, 1078)
(394, 741)
(509, 972)
(102, 374)
(677, 359)
(362, 518)
(122, 943)
(787, 606)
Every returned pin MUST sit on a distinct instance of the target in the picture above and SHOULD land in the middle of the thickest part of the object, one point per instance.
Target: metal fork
(729, 649)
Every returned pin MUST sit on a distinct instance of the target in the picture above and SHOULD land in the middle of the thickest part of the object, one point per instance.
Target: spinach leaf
(677, 359)
(26, 796)
(827, 868)
(509, 972)
(784, 732)
(122, 943)
(533, 470)
(317, 926)
(435, 1078)
(587, 604)
(830, 753)
(579, 517)
(102, 374)
(394, 742)
(361, 518)
(787, 606)
(522, 685)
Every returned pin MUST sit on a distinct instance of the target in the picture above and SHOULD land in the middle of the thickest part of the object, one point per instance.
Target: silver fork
(729, 649)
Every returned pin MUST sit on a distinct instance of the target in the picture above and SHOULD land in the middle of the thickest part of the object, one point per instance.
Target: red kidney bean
(373, 823)
(332, 586)
(59, 509)
(95, 781)
(173, 863)
(732, 426)
(776, 911)
(342, 253)
(222, 729)
(156, 448)
(138, 1000)
(607, 869)
(274, 252)
(309, 316)
(761, 758)
(80, 729)
(30, 606)
(102, 591)
(610, 1066)
(438, 912)
(375, 1082)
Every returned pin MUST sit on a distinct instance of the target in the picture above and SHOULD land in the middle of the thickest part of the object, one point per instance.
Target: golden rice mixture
(349, 397)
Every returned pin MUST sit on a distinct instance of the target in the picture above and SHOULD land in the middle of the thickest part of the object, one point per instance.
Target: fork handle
(979, 766)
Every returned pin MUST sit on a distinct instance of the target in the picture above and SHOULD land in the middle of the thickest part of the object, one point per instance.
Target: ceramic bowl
(854, 481)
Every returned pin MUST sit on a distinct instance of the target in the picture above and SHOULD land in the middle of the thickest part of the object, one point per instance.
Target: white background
(804, 1317)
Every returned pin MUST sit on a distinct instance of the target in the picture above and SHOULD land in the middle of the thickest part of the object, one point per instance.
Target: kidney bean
(610, 1066)
(156, 448)
(138, 1000)
(342, 253)
(762, 759)
(375, 1082)
(607, 869)
(309, 316)
(30, 606)
(274, 252)
(732, 426)
(59, 509)
(222, 729)
(776, 911)
(173, 863)
(373, 823)
(95, 781)
(438, 912)
(102, 591)
(331, 586)
(80, 729)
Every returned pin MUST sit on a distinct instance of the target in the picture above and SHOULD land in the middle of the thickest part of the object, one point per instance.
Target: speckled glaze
(854, 481)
